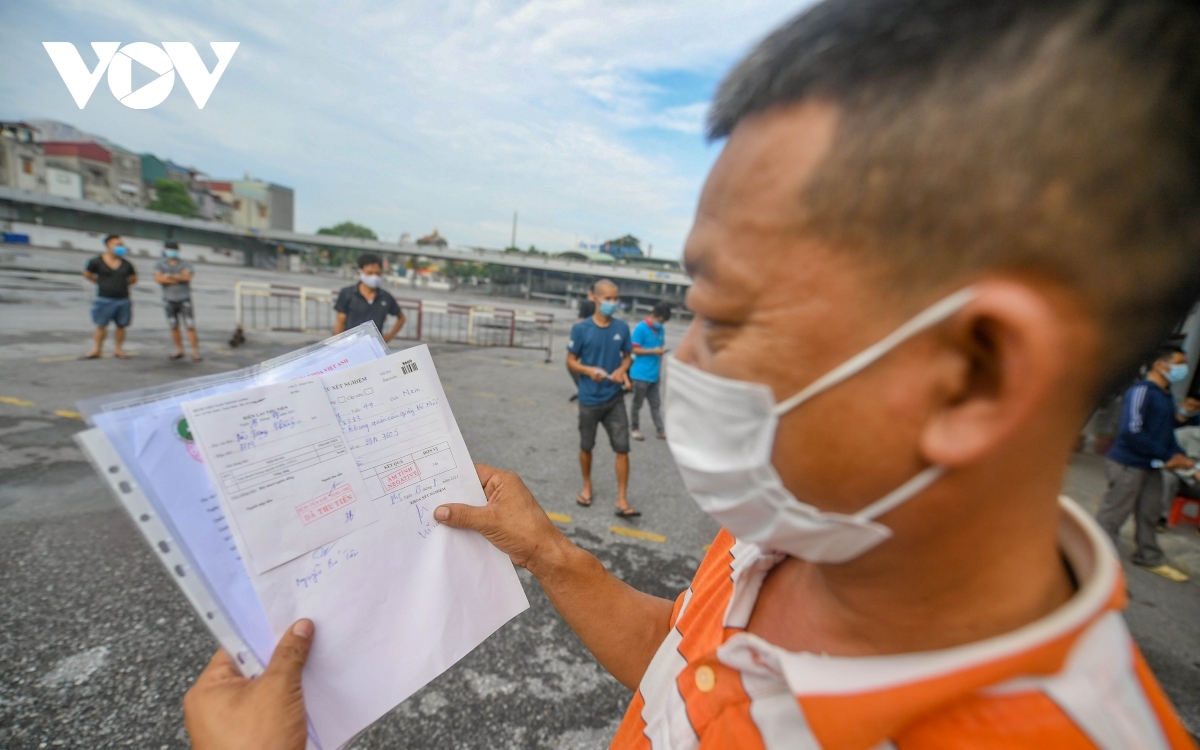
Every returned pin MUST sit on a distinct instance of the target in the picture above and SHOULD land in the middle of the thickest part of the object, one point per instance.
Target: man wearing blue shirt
(1145, 445)
(649, 346)
(600, 352)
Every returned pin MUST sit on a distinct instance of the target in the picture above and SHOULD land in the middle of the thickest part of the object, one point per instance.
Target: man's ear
(1003, 359)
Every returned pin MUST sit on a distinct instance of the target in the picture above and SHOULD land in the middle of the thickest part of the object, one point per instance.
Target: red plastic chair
(1184, 510)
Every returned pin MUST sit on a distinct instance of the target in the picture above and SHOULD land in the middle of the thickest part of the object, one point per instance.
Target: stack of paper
(306, 488)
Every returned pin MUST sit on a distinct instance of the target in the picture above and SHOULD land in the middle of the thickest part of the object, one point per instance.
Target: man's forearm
(575, 366)
(620, 625)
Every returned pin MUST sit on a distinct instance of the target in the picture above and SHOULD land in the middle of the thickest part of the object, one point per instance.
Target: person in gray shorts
(600, 352)
(175, 276)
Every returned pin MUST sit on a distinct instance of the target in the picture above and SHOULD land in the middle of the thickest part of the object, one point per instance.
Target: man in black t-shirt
(113, 275)
(358, 303)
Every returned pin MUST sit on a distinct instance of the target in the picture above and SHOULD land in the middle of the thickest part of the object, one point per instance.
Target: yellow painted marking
(64, 358)
(485, 394)
(448, 388)
(526, 401)
(561, 518)
(647, 535)
(15, 401)
(707, 547)
(67, 414)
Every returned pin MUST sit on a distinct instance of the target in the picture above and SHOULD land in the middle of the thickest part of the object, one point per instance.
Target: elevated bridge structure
(538, 276)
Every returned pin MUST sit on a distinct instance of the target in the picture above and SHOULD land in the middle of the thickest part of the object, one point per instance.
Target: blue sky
(584, 116)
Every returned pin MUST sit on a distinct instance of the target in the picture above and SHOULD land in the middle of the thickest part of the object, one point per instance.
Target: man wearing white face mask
(938, 233)
(367, 300)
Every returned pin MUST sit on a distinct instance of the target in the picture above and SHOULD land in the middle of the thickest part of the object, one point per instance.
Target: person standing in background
(1145, 444)
(113, 275)
(175, 276)
(587, 308)
(649, 346)
(600, 351)
(366, 300)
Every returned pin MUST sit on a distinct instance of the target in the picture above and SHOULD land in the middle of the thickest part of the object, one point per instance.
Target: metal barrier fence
(277, 307)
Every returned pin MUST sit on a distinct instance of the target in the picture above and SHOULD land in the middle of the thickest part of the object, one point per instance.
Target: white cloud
(437, 113)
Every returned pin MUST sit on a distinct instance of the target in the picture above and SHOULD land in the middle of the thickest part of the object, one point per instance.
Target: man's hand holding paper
(333, 499)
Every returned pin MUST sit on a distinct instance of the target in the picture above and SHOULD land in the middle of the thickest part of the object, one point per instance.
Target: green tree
(349, 229)
(173, 198)
(339, 255)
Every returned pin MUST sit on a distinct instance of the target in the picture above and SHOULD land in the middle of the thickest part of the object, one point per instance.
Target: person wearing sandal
(649, 346)
(113, 275)
(175, 276)
(600, 351)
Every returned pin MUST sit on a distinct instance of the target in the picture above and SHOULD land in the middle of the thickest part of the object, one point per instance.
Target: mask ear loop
(896, 497)
(930, 316)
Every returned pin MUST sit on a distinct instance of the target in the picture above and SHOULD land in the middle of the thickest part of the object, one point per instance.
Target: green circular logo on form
(182, 428)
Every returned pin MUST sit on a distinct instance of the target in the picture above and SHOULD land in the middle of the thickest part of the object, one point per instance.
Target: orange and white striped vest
(1073, 679)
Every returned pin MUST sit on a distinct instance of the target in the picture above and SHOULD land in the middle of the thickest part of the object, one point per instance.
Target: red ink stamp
(403, 475)
(325, 504)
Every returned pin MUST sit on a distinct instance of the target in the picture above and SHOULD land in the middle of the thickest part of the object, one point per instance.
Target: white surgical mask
(722, 432)
(371, 281)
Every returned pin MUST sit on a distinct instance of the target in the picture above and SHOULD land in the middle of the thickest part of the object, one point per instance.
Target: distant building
(282, 209)
(90, 161)
(434, 239)
(64, 183)
(255, 204)
(127, 177)
(155, 169)
(22, 159)
(589, 256)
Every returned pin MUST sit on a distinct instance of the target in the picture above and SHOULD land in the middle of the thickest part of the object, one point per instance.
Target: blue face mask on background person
(608, 309)
(1176, 373)
(120, 250)
(172, 254)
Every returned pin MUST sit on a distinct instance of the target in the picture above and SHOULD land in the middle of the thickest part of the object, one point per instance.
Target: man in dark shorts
(113, 275)
(175, 275)
(366, 300)
(600, 352)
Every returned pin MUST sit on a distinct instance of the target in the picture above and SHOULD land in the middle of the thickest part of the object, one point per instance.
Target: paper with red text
(281, 467)
(399, 601)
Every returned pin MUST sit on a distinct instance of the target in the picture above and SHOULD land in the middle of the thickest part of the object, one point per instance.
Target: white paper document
(283, 467)
(151, 434)
(396, 598)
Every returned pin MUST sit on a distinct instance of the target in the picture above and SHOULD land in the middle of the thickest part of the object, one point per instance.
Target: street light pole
(514, 234)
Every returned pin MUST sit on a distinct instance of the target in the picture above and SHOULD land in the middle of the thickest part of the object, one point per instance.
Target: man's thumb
(459, 516)
(291, 652)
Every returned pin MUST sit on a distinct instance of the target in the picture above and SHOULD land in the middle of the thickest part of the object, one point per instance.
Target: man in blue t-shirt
(599, 351)
(1145, 445)
(649, 346)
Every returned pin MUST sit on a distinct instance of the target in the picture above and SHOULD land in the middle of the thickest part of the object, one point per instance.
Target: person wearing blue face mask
(175, 276)
(600, 352)
(112, 274)
(1146, 444)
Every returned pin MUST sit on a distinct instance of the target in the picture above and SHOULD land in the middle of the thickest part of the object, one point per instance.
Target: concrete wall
(97, 176)
(15, 158)
(281, 207)
(64, 183)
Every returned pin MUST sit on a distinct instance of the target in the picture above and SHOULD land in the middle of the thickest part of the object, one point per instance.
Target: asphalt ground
(97, 646)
